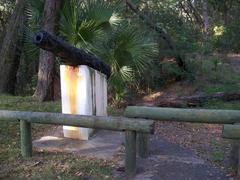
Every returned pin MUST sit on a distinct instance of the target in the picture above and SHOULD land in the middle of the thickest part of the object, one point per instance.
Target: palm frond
(132, 48)
(127, 73)
(33, 12)
(76, 28)
(96, 27)
(68, 24)
(29, 48)
(101, 12)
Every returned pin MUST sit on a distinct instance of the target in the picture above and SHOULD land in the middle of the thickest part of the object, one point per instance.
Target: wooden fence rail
(230, 118)
(184, 115)
(95, 122)
(130, 126)
(231, 131)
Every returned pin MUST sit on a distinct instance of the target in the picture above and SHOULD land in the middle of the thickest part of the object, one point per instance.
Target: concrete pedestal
(84, 92)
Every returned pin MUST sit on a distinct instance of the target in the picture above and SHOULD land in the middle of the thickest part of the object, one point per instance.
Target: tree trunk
(10, 51)
(45, 85)
(196, 15)
(205, 19)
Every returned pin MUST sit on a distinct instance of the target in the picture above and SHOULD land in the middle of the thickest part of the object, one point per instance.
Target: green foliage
(214, 70)
(219, 72)
(33, 13)
(225, 25)
(216, 104)
(134, 51)
(6, 7)
(186, 36)
(166, 73)
(97, 27)
(128, 53)
(212, 74)
(225, 87)
(229, 40)
(217, 156)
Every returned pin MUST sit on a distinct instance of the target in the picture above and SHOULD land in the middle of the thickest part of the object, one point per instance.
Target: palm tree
(97, 27)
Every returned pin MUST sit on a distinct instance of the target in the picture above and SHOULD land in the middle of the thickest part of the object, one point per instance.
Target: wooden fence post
(130, 155)
(26, 138)
(238, 164)
(234, 154)
(142, 145)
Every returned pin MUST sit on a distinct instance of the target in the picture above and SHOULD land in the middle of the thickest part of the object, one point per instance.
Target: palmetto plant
(98, 28)
(33, 13)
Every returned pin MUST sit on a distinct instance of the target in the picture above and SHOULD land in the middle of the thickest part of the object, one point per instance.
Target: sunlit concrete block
(100, 94)
(84, 92)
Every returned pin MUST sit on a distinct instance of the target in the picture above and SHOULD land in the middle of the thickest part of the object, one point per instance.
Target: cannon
(69, 54)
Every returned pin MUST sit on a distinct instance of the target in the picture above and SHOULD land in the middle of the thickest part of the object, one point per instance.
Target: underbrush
(212, 74)
(218, 104)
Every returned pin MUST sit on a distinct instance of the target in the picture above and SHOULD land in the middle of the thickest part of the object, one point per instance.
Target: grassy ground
(42, 165)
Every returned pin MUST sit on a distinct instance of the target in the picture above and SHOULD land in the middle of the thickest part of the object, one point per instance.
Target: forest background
(148, 44)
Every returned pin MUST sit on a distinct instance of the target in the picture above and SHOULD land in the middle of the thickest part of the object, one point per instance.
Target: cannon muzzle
(38, 38)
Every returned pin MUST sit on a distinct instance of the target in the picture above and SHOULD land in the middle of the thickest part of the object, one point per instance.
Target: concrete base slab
(102, 145)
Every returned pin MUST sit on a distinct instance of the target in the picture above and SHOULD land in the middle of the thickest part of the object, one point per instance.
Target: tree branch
(161, 31)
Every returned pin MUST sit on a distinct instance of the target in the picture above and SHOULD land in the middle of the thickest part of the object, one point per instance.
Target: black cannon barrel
(69, 54)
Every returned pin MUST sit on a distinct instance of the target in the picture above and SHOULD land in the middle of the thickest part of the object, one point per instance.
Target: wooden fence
(230, 119)
(136, 128)
(130, 126)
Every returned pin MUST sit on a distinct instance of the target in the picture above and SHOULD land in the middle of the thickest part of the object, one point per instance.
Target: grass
(27, 104)
(41, 165)
(55, 166)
